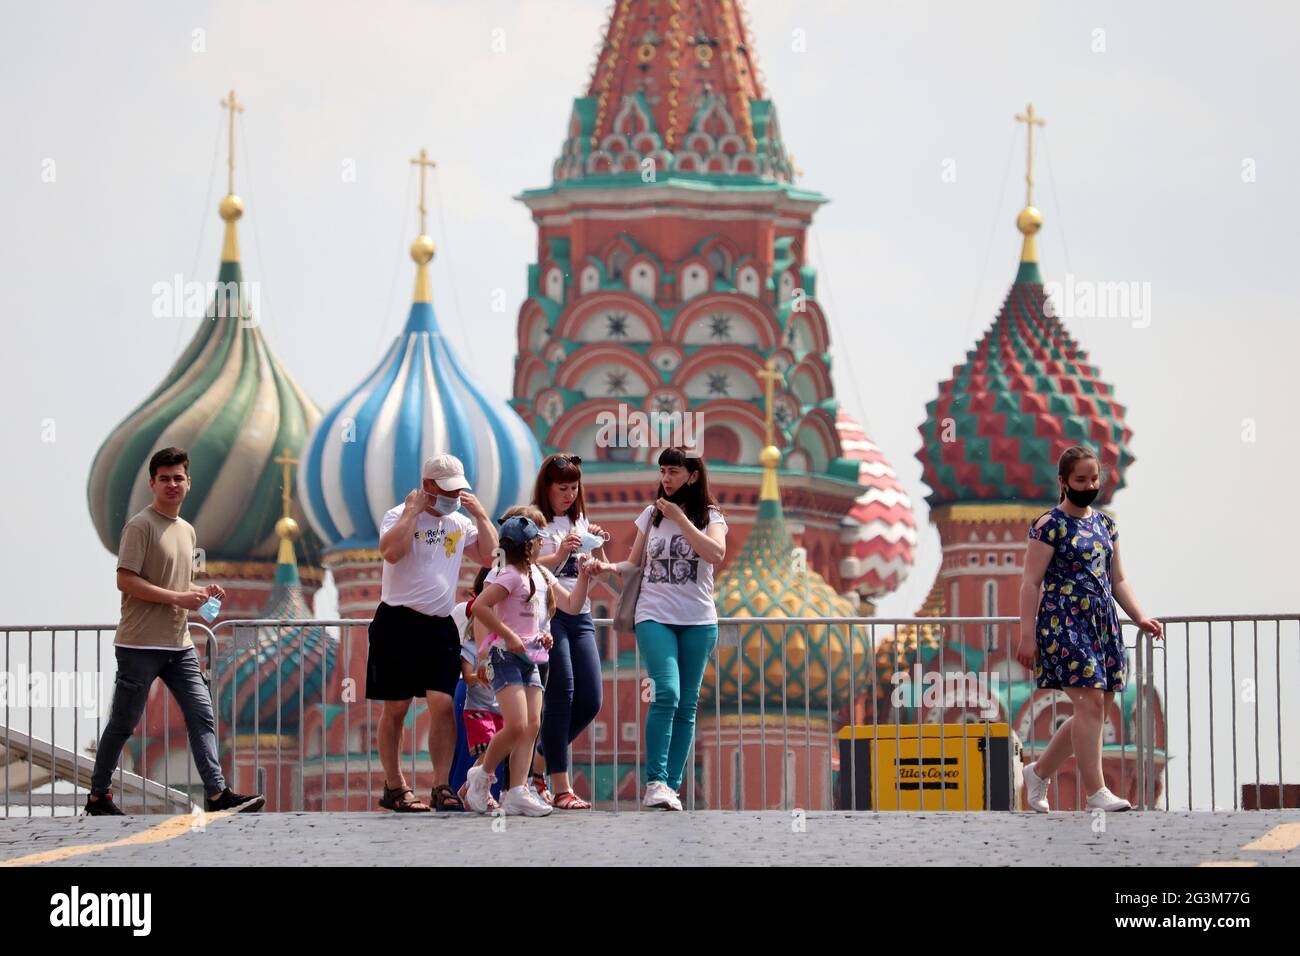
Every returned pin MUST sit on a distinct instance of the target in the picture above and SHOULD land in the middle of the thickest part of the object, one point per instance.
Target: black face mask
(679, 496)
(1081, 499)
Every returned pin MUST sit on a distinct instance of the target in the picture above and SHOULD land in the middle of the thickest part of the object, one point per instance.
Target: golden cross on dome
(1030, 121)
(770, 377)
(424, 162)
(232, 104)
(288, 461)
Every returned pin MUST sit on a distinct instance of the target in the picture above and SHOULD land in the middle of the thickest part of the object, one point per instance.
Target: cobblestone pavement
(634, 838)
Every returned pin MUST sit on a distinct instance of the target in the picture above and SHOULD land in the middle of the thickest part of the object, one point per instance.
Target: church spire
(286, 571)
(1029, 220)
(232, 207)
(422, 247)
(770, 456)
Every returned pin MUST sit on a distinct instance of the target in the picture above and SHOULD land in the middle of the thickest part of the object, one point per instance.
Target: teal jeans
(675, 657)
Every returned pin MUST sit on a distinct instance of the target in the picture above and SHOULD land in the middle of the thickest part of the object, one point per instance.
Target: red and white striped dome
(879, 535)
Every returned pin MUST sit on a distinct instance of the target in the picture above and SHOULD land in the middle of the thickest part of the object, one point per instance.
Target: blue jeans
(180, 671)
(510, 668)
(675, 657)
(573, 687)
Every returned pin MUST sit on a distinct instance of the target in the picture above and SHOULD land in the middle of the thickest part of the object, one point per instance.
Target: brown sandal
(397, 800)
(444, 800)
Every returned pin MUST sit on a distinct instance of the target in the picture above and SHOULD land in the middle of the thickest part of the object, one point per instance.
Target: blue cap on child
(518, 530)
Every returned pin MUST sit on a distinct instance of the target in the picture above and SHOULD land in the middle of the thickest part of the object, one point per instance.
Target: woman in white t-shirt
(573, 683)
(684, 536)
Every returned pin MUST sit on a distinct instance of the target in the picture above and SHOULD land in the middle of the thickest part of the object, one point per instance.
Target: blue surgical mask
(210, 609)
(444, 505)
(590, 542)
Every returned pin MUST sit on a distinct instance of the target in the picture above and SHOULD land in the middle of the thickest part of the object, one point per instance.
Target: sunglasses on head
(564, 461)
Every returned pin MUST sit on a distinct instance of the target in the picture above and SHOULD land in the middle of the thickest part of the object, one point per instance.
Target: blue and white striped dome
(365, 455)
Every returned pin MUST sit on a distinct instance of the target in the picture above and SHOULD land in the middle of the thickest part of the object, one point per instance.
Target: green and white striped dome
(234, 408)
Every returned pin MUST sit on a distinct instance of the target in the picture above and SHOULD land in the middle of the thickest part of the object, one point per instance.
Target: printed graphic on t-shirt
(570, 569)
(681, 565)
(431, 536)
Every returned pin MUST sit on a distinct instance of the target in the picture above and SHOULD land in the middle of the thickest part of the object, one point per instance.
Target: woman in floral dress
(1069, 627)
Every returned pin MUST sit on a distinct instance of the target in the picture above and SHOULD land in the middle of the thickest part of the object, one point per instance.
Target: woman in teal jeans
(676, 620)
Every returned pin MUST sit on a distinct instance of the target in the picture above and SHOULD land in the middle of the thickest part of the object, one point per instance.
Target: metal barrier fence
(1210, 697)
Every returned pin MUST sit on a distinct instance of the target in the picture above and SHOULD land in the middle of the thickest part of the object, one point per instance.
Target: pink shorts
(480, 727)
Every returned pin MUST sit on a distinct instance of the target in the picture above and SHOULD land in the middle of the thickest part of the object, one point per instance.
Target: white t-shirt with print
(425, 580)
(677, 585)
(555, 531)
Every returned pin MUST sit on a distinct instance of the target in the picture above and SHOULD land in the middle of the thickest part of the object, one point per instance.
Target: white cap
(447, 471)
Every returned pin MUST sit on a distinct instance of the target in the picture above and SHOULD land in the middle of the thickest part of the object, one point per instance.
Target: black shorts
(411, 654)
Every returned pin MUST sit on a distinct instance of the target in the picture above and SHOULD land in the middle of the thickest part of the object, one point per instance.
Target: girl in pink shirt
(515, 607)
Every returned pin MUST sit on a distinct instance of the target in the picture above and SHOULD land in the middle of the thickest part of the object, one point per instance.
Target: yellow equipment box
(929, 767)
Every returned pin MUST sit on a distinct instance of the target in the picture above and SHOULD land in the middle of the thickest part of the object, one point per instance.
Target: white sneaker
(536, 797)
(1036, 790)
(518, 803)
(659, 794)
(478, 789)
(1103, 799)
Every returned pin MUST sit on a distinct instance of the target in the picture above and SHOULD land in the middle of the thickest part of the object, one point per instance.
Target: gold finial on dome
(1030, 220)
(286, 527)
(770, 456)
(231, 207)
(422, 248)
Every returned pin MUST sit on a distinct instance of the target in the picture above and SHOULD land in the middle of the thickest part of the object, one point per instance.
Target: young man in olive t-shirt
(154, 568)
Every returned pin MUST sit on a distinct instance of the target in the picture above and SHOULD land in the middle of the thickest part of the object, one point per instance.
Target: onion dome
(288, 664)
(1025, 394)
(366, 454)
(821, 663)
(681, 92)
(227, 401)
(879, 535)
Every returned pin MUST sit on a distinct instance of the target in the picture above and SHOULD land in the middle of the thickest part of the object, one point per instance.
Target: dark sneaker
(236, 803)
(103, 806)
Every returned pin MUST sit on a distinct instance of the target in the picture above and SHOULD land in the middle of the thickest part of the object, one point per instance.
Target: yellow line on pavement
(169, 829)
(1281, 838)
(1230, 863)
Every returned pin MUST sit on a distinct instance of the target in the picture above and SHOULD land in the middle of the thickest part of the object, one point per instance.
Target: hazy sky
(1171, 158)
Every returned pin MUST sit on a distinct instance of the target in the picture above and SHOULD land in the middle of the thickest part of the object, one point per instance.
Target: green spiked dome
(1025, 394)
(235, 409)
(822, 663)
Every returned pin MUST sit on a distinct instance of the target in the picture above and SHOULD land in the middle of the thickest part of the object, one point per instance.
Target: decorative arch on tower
(611, 316)
(720, 254)
(693, 278)
(531, 375)
(632, 138)
(805, 331)
(816, 438)
(616, 255)
(534, 321)
(765, 332)
(592, 275)
(698, 369)
(578, 430)
(579, 372)
(810, 380)
(749, 277)
(642, 275)
(553, 281)
(713, 145)
(733, 431)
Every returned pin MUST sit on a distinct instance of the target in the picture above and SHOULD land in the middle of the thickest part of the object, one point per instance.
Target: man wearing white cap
(414, 648)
